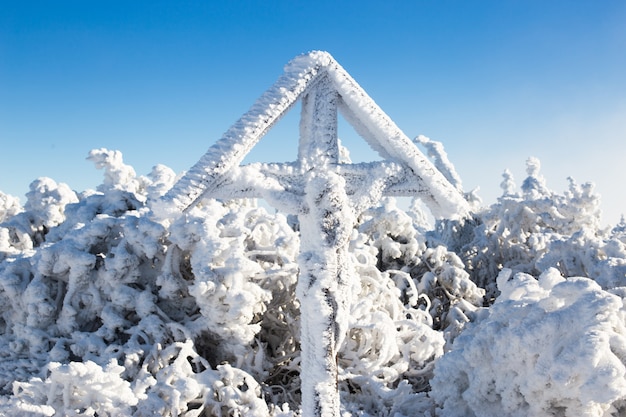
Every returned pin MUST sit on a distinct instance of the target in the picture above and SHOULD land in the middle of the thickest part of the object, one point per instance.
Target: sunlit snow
(118, 302)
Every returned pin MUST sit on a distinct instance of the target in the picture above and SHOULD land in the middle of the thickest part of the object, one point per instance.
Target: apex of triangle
(300, 80)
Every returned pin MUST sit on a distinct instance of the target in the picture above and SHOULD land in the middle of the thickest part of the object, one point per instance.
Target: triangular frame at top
(219, 171)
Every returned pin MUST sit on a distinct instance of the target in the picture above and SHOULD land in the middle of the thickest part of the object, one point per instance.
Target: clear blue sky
(495, 81)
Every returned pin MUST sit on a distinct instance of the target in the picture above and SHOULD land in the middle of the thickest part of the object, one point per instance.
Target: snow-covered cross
(323, 192)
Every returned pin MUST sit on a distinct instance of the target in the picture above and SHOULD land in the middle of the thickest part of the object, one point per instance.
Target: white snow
(546, 347)
(105, 310)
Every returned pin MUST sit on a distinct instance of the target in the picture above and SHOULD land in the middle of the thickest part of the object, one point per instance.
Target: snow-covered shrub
(438, 276)
(77, 388)
(546, 347)
(44, 209)
(411, 300)
(390, 343)
(241, 258)
(106, 284)
(9, 206)
(536, 230)
(197, 314)
(437, 153)
(117, 175)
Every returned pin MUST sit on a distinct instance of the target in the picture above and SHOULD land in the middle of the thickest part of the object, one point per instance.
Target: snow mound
(546, 347)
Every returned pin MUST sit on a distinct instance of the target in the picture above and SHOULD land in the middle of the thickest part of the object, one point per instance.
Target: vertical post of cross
(326, 222)
(318, 147)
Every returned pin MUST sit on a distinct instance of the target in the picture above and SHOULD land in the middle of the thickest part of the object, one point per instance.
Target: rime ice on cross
(324, 193)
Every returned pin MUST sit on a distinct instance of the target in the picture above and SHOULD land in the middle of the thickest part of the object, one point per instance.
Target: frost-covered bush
(170, 308)
(535, 230)
(44, 209)
(411, 300)
(9, 206)
(97, 294)
(81, 389)
(438, 279)
(107, 308)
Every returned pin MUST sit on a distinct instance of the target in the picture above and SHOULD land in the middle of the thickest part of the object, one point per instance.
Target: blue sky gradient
(495, 81)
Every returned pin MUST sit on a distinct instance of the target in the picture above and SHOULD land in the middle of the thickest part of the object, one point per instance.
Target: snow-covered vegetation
(109, 310)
